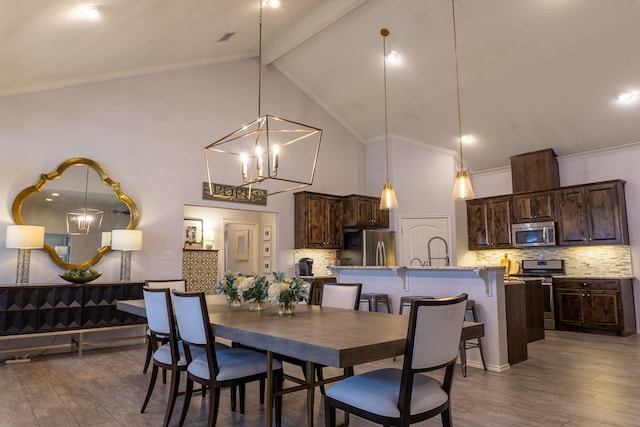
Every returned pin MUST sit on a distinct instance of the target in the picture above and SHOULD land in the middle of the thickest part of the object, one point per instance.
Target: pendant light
(388, 197)
(270, 153)
(462, 188)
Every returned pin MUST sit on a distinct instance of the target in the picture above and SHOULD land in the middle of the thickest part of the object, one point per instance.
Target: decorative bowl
(79, 279)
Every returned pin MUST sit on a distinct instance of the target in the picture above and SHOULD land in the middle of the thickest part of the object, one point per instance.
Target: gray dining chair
(401, 397)
(167, 351)
(178, 285)
(214, 368)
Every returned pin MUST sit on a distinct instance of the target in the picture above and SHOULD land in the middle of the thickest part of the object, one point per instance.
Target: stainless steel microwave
(533, 234)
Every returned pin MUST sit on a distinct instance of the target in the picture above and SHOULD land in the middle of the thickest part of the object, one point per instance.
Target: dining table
(325, 336)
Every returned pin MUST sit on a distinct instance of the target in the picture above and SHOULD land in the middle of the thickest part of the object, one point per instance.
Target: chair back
(341, 295)
(435, 327)
(157, 303)
(172, 284)
(192, 318)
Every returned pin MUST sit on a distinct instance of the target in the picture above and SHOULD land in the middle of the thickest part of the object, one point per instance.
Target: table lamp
(24, 238)
(126, 241)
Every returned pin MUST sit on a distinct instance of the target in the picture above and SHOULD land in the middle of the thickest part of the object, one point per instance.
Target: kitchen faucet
(446, 251)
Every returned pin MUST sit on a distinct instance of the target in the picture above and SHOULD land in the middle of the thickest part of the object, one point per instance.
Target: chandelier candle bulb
(275, 160)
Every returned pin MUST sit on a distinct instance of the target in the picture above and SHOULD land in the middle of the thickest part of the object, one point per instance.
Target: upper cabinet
(318, 221)
(533, 207)
(489, 223)
(593, 214)
(364, 212)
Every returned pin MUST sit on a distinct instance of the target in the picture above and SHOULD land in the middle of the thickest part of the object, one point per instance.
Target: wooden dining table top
(328, 336)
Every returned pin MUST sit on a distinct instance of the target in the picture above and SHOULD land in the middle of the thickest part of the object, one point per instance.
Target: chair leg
(187, 400)
(173, 394)
(214, 404)
(234, 394)
(242, 389)
(463, 358)
(152, 383)
(279, 385)
(446, 418)
(263, 383)
(320, 376)
(484, 365)
(164, 376)
(147, 358)
(329, 414)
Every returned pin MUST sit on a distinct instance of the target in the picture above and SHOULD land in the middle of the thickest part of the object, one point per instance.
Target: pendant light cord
(385, 32)
(260, 62)
(455, 54)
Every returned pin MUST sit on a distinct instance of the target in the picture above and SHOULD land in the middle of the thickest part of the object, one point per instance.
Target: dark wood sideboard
(65, 309)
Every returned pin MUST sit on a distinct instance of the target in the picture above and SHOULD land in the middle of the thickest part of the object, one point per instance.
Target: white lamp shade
(25, 236)
(126, 240)
(106, 238)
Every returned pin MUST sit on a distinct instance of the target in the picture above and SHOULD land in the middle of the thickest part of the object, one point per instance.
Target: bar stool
(374, 299)
(465, 344)
(406, 301)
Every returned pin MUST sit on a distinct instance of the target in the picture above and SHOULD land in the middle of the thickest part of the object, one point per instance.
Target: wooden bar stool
(374, 299)
(472, 315)
(406, 301)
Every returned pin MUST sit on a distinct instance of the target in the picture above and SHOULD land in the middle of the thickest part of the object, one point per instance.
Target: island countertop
(399, 267)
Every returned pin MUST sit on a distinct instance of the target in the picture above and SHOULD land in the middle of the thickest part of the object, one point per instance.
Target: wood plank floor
(570, 379)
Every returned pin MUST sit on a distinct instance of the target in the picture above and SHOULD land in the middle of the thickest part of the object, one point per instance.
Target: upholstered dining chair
(178, 285)
(167, 352)
(212, 368)
(336, 295)
(401, 397)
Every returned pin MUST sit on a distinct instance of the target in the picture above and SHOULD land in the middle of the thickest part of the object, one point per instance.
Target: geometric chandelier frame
(271, 153)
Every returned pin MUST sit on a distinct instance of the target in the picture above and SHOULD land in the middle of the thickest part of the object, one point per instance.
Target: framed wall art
(266, 249)
(266, 232)
(192, 231)
(242, 245)
(266, 266)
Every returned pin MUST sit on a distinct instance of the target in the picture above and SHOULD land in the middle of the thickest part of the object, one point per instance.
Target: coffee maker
(305, 266)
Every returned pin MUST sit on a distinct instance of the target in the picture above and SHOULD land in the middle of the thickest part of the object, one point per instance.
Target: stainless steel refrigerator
(368, 248)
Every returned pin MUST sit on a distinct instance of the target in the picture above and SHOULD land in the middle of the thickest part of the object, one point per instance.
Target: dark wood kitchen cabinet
(489, 223)
(533, 207)
(318, 221)
(595, 305)
(364, 212)
(593, 214)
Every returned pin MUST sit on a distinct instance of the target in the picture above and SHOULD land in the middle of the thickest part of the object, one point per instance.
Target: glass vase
(233, 301)
(286, 309)
(257, 306)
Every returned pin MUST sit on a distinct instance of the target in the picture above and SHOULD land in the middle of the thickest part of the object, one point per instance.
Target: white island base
(485, 285)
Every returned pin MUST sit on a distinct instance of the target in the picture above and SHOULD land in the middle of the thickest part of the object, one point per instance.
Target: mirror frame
(16, 209)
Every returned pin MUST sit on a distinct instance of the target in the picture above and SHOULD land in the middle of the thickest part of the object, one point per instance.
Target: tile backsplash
(322, 259)
(597, 261)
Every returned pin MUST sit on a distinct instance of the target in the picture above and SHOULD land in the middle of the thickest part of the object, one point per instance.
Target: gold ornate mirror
(77, 204)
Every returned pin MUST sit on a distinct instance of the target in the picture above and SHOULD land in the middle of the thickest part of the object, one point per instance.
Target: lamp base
(22, 270)
(125, 266)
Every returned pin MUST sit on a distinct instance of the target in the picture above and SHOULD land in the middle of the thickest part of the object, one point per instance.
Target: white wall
(149, 133)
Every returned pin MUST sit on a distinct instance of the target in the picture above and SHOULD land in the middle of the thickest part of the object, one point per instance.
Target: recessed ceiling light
(468, 139)
(90, 12)
(393, 57)
(273, 3)
(626, 96)
(55, 194)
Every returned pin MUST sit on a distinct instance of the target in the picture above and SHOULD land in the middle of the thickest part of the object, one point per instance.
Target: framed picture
(242, 245)
(192, 231)
(266, 249)
(266, 266)
(266, 232)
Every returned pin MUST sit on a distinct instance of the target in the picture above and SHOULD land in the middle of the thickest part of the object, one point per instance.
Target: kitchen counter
(484, 285)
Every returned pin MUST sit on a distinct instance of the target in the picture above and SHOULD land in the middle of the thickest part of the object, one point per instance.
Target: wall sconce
(126, 241)
(24, 238)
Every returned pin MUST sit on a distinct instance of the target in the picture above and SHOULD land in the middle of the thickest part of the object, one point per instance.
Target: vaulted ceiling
(534, 74)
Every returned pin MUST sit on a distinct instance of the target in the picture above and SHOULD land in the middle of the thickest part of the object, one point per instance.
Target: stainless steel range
(545, 269)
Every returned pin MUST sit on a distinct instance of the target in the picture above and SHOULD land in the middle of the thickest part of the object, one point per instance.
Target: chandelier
(270, 153)
(84, 220)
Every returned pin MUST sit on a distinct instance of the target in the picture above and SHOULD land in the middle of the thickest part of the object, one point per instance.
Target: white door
(416, 233)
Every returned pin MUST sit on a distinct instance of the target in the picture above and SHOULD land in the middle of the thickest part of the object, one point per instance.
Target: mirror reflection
(79, 205)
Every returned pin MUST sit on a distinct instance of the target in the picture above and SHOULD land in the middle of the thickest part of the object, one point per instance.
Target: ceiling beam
(308, 27)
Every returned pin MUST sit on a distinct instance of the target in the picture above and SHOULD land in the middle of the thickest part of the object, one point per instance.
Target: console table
(40, 310)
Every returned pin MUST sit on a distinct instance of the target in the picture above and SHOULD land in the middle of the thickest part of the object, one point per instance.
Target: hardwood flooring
(570, 379)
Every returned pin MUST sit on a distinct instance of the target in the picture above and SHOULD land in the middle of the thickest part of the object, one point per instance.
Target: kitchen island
(485, 285)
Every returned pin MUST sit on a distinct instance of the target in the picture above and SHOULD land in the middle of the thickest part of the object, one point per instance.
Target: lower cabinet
(515, 309)
(595, 305)
(200, 270)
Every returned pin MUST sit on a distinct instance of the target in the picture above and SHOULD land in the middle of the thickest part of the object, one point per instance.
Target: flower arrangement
(287, 292)
(239, 287)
